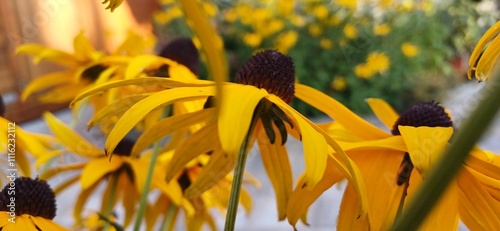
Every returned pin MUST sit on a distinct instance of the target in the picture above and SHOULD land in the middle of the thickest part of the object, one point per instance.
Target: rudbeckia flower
(95, 167)
(484, 57)
(28, 204)
(394, 164)
(265, 87)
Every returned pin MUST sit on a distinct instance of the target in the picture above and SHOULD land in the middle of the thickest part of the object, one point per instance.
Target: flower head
(29, 204)
(484, 57)
(350, 31)
(381, 29)
(409, 50)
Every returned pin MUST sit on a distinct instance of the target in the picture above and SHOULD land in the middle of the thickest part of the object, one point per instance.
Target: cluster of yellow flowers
(168, 132)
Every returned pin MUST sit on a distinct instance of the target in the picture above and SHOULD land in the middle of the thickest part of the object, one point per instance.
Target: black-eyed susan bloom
(125, 175)
(484, 57)
(395, 164)
(265, 85)
(29, 205)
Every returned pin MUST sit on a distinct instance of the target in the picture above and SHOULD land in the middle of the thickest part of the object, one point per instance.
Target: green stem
(143, 202)
(239, 170)
(448, 165)
(169, 217)
(111, 199)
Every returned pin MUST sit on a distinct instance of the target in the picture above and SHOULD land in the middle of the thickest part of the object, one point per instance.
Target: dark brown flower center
(2, 107)
(92, 73)
(28, 196)
(124, 147)
(429, 114)
(270, 70)
(183, 51)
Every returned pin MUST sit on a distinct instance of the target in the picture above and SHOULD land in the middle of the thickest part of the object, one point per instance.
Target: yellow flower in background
(339, 83)
(34, 206)
(298, 21)
(381, 29)
(230, 15)
(378, 62)
(285, 41)
(252, 39)
(210, 8)
(350, 31)
(485, 56)
(315, 30)
(350, 4)
(335, 20)
(326, 43)
(363, 71)
(274, 25)
(409, 50)
(320, 11)
(385, 3)
(395, 165)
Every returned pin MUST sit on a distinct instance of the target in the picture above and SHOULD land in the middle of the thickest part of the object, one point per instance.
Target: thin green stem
(143, 202)
(111, 199)
(448, 165)
(169, 217)
(239, 170)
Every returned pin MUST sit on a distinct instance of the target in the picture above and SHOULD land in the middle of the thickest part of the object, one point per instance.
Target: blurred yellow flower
(339, 83)
(381, 29)
(275, 25)
(315, 30)
(385, 3)
(335, 20)
(350, 31)
(320, 11)
(409, 50)
(230, 15)
(286, 40)
(298, 21)
(326, 43)
(252, 39)
(285, 7)
(378, 62)
(210, 8)
(351, 4)
(363, 71)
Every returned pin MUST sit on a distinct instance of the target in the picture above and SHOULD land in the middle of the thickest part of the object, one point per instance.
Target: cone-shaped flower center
(124, 147)
(270, 70)
(428, 114)
(183, 51)
(93, 72)
(2, 107)
(28, 196)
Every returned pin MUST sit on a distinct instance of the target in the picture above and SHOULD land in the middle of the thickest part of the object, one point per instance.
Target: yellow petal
(96, 169)
(81, 201)
(141, 62)
(379, 169)
(23, 222)
(275, 160)
(338, 112)
(383, 111)
(425, 144)
(129, 198)
(215, 170)
(179, 71)
(235, 114)
(157, 100)
(45, 82)
(60, 169)
(202, 141)
(46, 157)
(392, 142)
(83, 47)
(138, 166)
(41, 52)
(116, 108)
(482, 165)
(489, 58)
(444, 215)
(170, 125)
(301, 198)
(61, 94)
(478, 210)
(46, 224)
(490, 34)
(70, 138)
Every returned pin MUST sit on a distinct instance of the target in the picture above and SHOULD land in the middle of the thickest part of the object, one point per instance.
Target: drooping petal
(130, 197)
(22, 222)
(138, 166)
(61, 169)
(70, 138)
(81, 201)
(277, 165)
(491, 184)
(46, 81)
(40, 160)
(157, 100)
(383, 111)
(236, 114)
(141, 62)
(338, 112)
(444, 215)
(478, 210)
(425, 144)
(478, 49)
(486, 166)
(45, 224)
(301, 198)
(97, 168)
(202, 141)
(41, 52)
(488, 59)
(116, 108)
(179, 71)
(392, 142)
(83, 48)
(379, 169)
(170, 125)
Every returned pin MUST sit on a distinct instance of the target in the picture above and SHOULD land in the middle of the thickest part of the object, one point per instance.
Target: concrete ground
(323, 213)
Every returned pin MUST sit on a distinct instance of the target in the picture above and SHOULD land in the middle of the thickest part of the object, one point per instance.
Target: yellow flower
(350, 4)
(363, 71)
(378, 62)
(230, 15)
(252, 39)
(409, 50)
(339, 83)
(321, 12)
(95, 168)
(113, 4)
(315, 30)
(394, 166)
(298, 21)
(210, 8)
(253, 98)
(350, 31)
(385, 3)
(285, 41)
(335, 20)
(381, 29)
(326, 43)
(484, 57)
(28, 204)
